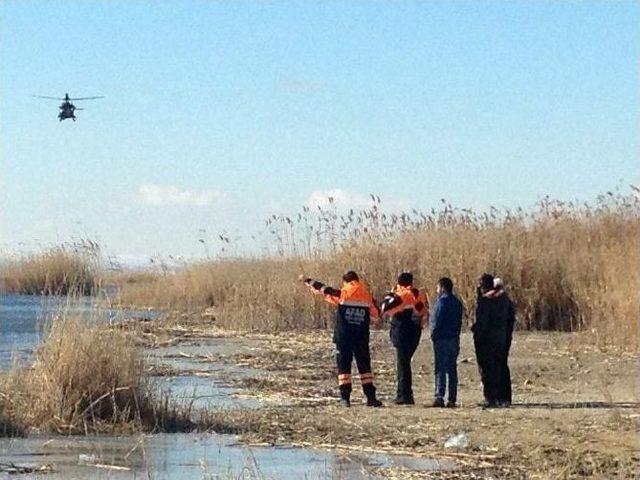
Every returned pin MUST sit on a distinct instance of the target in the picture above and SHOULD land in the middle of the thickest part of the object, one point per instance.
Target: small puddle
(204, 393)
(194, 456)
(197, 378)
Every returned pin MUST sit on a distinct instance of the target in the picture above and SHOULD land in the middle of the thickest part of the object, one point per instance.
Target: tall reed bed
(568, 267)
(86, 378)
(71, 268)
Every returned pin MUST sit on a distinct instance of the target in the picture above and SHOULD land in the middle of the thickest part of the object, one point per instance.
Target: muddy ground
(576, 411)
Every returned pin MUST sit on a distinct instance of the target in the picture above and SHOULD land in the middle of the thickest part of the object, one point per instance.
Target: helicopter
(67, 108)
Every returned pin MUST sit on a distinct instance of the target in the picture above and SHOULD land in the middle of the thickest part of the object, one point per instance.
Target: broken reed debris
(569, 267)
(68, 269)
(86, 378)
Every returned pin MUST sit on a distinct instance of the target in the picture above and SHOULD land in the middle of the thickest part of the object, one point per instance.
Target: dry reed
(86, 378)
(568, 267)
(66, 269)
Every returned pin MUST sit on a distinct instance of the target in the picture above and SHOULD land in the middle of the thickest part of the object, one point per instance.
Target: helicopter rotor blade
(49, 98)
(85, 98)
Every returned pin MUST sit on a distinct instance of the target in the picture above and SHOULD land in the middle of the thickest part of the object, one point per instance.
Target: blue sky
(218, 114)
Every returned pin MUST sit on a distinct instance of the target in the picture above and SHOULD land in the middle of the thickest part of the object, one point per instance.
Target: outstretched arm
(331, 295)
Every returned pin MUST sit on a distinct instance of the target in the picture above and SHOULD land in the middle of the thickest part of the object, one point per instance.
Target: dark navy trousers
(446, 356)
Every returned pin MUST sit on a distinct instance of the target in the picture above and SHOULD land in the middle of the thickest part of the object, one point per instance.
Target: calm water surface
(23, 321)
(193, 456)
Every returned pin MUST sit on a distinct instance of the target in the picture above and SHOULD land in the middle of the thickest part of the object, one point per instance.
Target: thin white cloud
(343, 199)
(152, 194)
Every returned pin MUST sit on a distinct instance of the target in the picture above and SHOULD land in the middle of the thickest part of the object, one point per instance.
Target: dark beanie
(486, 281)
(405, 279)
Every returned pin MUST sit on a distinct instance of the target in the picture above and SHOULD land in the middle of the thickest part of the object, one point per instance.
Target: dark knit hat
(486, 281)
(405, 279)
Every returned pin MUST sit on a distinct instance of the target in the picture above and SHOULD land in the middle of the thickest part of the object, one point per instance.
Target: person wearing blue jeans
(446, 323)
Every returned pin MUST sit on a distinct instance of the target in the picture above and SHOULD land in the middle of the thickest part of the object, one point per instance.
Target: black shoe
(488, 404)
(374, 402)
(403, 401)
(438, 403)
(451, 404)
(504, 404)
(344, 402)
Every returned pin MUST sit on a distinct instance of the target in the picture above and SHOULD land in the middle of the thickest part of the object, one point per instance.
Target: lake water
(23, 320)
(193, 456)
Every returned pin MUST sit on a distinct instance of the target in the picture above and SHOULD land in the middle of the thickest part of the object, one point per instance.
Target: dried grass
(569, 267)
(66, 269)
(86, 378)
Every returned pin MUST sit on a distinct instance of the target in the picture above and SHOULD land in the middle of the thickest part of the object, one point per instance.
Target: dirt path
(575, 414)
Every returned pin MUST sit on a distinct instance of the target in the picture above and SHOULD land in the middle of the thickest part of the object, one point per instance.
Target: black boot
(370, 391)
(345, 395)
(489, 404)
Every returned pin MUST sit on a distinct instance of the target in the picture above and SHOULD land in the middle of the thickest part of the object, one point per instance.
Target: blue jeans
(446, 356)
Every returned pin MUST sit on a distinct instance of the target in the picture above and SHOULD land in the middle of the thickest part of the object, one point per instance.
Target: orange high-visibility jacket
(405, 302)
(356, 306)
(351, 293)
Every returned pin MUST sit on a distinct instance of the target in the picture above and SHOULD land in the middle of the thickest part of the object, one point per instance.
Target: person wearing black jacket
(504, 396)
(495, 317)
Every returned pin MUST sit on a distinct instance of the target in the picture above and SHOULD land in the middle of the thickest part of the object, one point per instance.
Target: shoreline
(559, 384)
(575, 412)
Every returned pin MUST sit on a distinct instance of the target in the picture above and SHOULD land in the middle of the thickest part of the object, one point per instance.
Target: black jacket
(408, 306)
(495, 316)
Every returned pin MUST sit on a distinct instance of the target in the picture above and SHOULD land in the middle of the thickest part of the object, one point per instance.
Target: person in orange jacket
(356, 310)
(408, 308)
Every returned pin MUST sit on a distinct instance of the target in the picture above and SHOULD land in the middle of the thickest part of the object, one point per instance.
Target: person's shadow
(571, 405)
